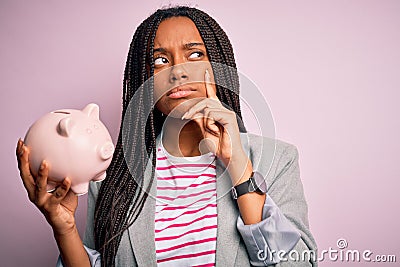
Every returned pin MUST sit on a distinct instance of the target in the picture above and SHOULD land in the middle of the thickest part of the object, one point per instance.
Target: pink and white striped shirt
(186, 210)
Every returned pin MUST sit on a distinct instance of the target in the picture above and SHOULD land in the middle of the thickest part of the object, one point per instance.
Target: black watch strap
(249, 186)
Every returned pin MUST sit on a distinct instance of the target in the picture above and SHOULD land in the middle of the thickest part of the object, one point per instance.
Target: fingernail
(42, 165)
(22, 151)
(207, 75)
(184, 116)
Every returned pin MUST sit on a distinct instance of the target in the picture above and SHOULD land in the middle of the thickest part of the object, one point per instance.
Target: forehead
(176, 31)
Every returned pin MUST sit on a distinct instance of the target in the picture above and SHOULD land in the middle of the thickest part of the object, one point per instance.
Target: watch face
(260, 181)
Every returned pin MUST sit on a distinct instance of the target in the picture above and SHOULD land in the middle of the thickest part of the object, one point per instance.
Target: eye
(160, 61)
(196, 54)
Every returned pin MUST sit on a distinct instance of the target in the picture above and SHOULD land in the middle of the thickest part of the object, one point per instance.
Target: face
(180, 60)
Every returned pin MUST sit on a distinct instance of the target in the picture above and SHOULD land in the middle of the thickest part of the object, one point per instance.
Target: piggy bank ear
(65, 127)
(92, 110)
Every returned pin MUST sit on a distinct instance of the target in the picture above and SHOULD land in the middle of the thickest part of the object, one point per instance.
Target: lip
(180, 92)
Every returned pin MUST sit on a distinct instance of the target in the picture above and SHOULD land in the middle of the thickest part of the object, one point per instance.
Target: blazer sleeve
(283, 236)
(88, 239)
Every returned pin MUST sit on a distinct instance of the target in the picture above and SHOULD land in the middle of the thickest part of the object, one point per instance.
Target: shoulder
(261, 143)
(269, 155)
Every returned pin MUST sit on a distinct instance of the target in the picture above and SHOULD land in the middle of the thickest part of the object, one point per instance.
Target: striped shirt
(186, 210)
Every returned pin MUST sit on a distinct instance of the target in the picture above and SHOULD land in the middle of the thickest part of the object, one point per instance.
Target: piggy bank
(75, 143)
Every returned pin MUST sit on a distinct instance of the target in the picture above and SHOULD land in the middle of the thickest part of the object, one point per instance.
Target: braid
(219, 50)
(121, 196)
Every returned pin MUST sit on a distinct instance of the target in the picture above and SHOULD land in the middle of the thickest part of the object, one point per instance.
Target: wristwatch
(256, 183)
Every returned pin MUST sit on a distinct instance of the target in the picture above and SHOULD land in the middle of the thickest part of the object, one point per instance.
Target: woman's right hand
(59, 206)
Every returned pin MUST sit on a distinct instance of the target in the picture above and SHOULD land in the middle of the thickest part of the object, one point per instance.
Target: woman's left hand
(219, 125)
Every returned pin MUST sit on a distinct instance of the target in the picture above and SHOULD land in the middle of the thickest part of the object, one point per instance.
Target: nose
(178, 74)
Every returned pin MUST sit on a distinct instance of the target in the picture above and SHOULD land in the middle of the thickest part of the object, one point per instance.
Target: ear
(92, 110)
(65, 127)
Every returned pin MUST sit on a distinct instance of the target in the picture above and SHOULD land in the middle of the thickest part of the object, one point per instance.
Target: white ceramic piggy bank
(75, 143)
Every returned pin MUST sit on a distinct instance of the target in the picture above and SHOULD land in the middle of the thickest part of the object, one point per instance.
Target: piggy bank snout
(106, 150)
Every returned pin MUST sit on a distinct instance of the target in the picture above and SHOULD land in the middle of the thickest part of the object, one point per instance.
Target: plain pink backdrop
(329, 70)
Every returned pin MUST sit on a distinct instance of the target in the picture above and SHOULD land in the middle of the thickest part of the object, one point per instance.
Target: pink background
(329, 70)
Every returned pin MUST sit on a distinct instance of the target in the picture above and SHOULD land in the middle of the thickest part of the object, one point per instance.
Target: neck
(181, 138)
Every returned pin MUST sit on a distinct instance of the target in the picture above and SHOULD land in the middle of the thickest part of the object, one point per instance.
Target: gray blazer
(278, 161)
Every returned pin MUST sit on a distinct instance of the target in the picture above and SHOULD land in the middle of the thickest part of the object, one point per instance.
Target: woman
(170, 115)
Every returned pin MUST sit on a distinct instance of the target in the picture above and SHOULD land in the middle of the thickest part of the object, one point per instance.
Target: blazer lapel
(141, 232)
(227, 234)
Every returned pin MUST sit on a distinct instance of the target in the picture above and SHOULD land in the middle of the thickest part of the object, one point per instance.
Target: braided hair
(122, 196)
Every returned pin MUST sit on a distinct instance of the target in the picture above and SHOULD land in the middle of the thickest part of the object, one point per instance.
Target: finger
(210, 91)
(19, 151)
(41, 181)
(198, 118)
(61, 191)
(25, 172)
(198, 107)
(19, 147)
(222, 116)
(210, 123)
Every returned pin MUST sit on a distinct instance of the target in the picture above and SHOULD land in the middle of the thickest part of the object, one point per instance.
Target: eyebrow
(190, 45)
(186, 46)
